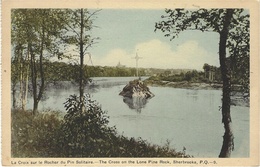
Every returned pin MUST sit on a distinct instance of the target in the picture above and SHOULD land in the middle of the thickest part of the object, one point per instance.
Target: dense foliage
(193, 76)
(190, 76)
(35, 136)
(85, 128)
(60, 71)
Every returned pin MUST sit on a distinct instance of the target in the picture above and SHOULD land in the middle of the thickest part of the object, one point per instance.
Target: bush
(35, 135)
(85, 128)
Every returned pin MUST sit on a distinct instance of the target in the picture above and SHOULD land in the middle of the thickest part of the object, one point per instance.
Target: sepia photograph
(104, 85)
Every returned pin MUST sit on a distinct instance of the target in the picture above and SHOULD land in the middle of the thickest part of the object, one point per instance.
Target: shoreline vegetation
(185, 85)
(238, 97)
(45, 135)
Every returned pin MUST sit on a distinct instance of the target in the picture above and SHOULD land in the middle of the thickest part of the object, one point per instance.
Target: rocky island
(136, 88)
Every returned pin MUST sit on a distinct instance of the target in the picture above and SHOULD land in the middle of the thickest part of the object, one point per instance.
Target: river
(184, 117)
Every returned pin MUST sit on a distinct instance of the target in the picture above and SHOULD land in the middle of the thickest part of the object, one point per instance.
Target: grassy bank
(45, 135)
(191, 80)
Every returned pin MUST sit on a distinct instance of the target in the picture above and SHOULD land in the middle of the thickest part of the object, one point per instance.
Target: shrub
(35, 135)
(85, 128)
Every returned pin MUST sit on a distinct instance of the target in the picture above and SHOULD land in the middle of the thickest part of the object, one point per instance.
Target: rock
(136, 88)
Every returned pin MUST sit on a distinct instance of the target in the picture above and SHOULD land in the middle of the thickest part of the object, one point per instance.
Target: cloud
(113, 57)
(158, 54)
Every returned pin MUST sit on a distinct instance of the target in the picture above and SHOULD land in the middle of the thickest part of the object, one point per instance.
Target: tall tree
(229, 24)
(20, 58)
(79, 23)
(38, 30)
(14, 80)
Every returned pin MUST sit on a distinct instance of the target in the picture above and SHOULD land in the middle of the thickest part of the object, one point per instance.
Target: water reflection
(93, 88)
(193, 94)
(135, 103)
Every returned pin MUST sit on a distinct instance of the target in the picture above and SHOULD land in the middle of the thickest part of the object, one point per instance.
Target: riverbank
(42, 135)
(184, 85)
(237, 98)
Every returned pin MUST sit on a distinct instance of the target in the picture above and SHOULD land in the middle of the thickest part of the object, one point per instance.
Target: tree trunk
(81, 77)
(228, 143)
(22, 79)
(26, 82)
(33, 80)
(20, 62)
(37, 96)
(42, 85)
(14, 95)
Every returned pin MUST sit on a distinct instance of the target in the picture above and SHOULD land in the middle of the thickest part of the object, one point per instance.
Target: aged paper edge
(252, 5)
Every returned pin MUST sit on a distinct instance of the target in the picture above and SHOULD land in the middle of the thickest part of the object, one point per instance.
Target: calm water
(186, 118)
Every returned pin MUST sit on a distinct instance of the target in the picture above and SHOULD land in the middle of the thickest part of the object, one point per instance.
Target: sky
(126, 32)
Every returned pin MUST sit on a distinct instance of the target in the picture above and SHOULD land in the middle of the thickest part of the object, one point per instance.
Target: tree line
(60, 71)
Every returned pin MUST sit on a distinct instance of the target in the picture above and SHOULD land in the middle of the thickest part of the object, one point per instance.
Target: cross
(137, 58)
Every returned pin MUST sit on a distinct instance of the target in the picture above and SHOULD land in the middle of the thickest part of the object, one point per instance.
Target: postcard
(130, 83)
